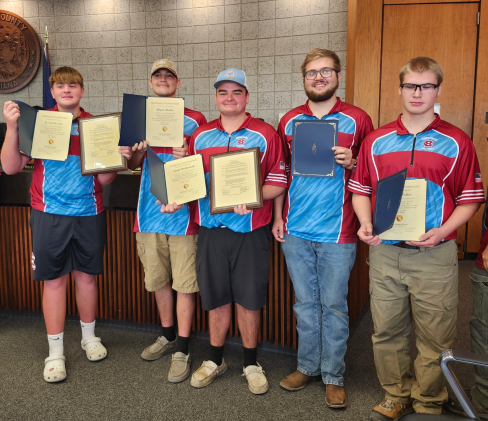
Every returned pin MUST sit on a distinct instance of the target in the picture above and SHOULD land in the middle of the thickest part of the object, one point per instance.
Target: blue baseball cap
(231, 75)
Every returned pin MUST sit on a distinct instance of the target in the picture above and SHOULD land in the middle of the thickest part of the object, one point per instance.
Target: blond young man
(167, 243)
(68, 225)
(416, 279)
(317, 229)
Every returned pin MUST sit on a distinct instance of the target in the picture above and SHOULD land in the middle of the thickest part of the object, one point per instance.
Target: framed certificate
(158, 120)
(179, 181)
(312, 154)
(235, 179)
(44, 134)
(99, 140)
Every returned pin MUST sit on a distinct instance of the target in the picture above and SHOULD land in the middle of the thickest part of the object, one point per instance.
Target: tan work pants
(421, 284)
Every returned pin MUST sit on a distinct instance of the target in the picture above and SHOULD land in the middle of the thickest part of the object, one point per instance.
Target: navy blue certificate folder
(389, 192)
(133, 125)
(27, 124)
(312, 154)
(157, 175)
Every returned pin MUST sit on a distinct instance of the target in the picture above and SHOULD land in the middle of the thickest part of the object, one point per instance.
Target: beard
(322, 96)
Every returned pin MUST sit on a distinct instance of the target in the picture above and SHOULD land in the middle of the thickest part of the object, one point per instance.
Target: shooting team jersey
(442, 154)
(148, 217)
(320, 209)
(58, 186)
(211, 139)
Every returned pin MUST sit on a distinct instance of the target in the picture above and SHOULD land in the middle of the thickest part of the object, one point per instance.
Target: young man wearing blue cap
(167, 243)
(233, 248)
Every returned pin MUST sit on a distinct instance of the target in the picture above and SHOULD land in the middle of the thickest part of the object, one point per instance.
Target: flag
(47, 99)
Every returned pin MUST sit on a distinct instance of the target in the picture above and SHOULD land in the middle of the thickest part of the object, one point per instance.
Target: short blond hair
(319, 53)
(421, 65)
(67, 75)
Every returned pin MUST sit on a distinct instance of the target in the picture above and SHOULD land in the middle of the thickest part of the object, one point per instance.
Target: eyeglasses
(325, 72)
(425, 87)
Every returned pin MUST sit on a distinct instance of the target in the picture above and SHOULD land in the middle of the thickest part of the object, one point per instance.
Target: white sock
(87, 330)
(55, 344)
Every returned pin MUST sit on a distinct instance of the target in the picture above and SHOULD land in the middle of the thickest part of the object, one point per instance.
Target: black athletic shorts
(233, 267)
(61, 244)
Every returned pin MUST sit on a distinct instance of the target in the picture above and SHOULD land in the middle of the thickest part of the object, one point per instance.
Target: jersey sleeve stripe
(353, 183)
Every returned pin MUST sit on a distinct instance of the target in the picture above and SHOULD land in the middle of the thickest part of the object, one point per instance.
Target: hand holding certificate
(44, 134)
(179, 181)
(235, 179)
(99, 138)
(158, 120)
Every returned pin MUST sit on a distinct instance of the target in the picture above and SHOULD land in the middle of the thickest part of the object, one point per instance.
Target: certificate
(44, 134)
(99, 139)
(410, 220)
(312, 154)
(179, 181)
(235, 179)
(158, 120)
(165, 121)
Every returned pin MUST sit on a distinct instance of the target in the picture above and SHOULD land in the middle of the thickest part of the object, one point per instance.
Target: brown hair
(318, 53)
(67, 75)
(421, 65)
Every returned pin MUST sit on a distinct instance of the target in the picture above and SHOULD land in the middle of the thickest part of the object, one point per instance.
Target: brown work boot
(296, 381)
(388, 410)
(335, 396)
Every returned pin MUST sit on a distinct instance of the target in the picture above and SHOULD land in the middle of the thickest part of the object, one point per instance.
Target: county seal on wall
(19, 52)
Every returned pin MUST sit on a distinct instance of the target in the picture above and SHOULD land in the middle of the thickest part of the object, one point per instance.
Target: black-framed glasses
(325, 72)
(424, 87)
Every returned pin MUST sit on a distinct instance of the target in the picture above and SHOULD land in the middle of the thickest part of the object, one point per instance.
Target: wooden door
(448, 34)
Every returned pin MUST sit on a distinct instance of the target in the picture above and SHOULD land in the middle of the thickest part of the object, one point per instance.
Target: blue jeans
(320, 274)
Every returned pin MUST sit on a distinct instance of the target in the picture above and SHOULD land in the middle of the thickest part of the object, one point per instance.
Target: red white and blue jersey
(484, 237)
(58, 186)
(320, 209)
(148, 217)
(442, 154)
(211, 139)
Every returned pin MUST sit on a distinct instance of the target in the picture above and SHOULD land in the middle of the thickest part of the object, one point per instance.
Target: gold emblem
(51, 141)
(165, 129)
(314, 148)
(399, 218)
(185, 186)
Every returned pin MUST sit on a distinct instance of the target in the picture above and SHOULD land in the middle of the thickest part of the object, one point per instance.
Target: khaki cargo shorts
(167, 257)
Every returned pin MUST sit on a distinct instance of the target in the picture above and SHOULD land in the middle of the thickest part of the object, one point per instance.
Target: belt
(404, 245)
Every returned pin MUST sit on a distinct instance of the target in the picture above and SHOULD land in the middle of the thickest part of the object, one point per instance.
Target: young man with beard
(416, 279)
(167, 243)
(318, 231)
(233, 248)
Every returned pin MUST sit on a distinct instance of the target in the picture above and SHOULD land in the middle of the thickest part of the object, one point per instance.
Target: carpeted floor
(124, 387)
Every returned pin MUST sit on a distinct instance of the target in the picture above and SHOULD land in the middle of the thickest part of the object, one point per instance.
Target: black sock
(216, 354)
(182, 344)
(169, 333)
(250, 356)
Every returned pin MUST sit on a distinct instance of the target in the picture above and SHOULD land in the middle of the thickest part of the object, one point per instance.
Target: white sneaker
(54, 369)
(207, 373)
(256, 379)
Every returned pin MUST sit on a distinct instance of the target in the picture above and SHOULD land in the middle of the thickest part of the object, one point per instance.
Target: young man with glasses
(318, 232)
(416, 279)
(167, 243)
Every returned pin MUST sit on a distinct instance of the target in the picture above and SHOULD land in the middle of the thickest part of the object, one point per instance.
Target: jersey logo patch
(477, 177)
(33, 261)
(241, 142)
(428, 144)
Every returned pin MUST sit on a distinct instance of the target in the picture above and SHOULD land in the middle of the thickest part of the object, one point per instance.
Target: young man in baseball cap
(167, 243)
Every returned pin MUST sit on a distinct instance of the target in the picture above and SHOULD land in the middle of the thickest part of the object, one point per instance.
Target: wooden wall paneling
(364, 55)
(428, 1)
(480, 127)
(3, 263)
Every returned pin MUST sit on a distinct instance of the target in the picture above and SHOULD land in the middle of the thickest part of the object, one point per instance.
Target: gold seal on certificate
(410, 220)
(235, 179)
(99, 139)
(165, 120)
(52, 135)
